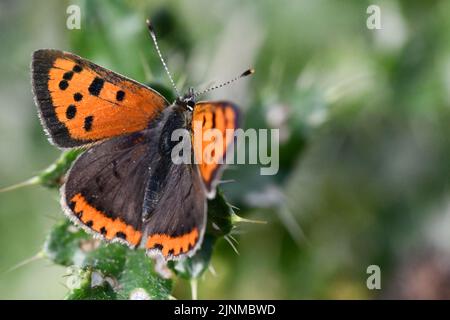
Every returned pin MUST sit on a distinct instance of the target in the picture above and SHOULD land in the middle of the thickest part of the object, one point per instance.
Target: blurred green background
(364, 137)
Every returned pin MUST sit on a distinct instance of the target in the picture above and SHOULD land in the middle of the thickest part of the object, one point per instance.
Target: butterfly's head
(187, 100)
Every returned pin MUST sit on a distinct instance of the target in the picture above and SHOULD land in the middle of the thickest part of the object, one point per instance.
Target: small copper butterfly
(125, 187)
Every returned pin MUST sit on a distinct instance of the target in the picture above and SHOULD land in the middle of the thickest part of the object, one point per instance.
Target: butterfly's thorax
(174, 118)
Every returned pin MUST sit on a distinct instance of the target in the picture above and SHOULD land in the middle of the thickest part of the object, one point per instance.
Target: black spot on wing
(121, 235)
(77, 68)
(72, 205)
(68, 75)
(120, 95)
(213, 120)
(63, 84)
(88, 123)
(96, 86)
(71, 111)
(158, 246)
(77, 96)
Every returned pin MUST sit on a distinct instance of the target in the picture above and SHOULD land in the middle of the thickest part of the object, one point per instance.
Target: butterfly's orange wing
(80, 102)
(210, 152)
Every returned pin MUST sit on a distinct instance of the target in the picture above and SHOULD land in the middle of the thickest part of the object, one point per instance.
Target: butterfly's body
(126, 187)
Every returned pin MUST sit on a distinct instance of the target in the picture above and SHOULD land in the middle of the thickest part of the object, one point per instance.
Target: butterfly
(125, 187)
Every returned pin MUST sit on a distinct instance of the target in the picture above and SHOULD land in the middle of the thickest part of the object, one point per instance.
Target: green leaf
(139, 278)
(108, 259)
(53, 175)
(103, 271)
(220, 216)
(63, 243)
(83, 287)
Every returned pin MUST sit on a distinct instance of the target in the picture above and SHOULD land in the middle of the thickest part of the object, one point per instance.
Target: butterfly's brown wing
(80, 102)
(105, 188)
(175, 200)
(176, 226)
(223, 116)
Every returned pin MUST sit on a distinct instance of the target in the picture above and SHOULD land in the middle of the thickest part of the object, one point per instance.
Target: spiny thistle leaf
(220, 215)
(63, 243)
(81, 287)
(104, 271)
(134, 279)
(53, 175)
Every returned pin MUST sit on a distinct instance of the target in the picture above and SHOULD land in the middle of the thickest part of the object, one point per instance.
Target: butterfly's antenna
(244, 74)
(152, 34)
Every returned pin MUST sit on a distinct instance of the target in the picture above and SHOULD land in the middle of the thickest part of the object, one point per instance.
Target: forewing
(80, 102)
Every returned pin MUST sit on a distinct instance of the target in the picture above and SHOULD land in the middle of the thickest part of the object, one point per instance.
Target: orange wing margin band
(173, 245)
(99, 222)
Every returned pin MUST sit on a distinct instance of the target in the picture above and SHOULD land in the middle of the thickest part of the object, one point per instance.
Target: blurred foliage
(364, 148)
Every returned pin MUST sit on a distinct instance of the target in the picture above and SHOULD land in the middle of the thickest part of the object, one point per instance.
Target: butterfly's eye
(190, 103)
